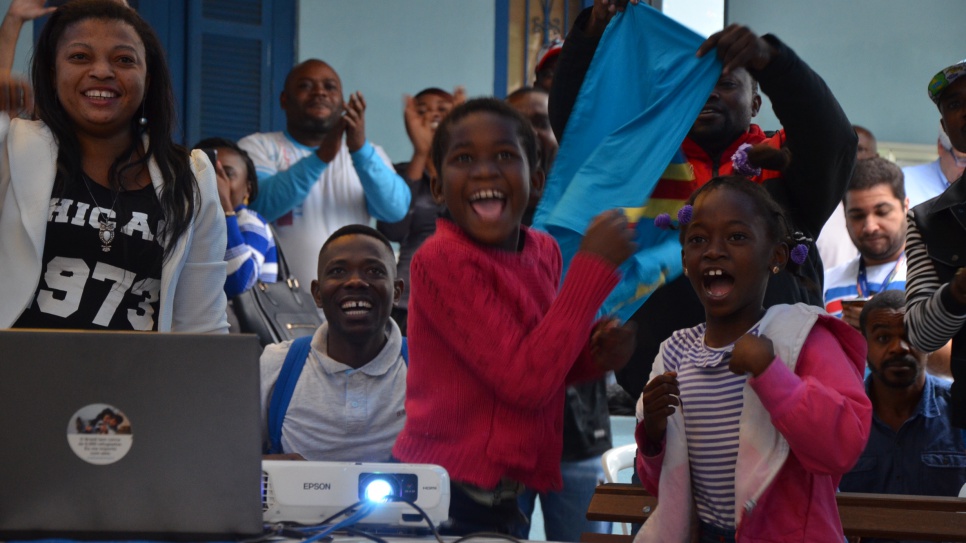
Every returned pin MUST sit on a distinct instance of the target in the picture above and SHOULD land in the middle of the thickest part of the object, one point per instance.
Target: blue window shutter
(168, 21)
(501, 47)
(235, 51)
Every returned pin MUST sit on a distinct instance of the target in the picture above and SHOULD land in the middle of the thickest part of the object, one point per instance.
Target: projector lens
(378, 491)
(384, 487)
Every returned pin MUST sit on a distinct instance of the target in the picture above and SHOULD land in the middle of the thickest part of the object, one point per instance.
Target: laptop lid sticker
(100, 434)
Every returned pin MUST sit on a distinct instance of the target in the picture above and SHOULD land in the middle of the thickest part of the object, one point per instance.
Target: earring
(775, 269)
(143, 121)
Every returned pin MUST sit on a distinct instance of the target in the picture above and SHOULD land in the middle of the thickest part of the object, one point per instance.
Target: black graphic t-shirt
(91, 280)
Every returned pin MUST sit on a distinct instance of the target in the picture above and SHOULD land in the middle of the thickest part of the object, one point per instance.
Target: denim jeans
(565, 512)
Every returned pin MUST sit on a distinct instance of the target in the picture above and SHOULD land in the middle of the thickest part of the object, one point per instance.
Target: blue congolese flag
(643, 91)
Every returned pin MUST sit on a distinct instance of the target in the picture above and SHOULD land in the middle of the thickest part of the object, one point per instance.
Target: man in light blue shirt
(926, 181)
(321, 173)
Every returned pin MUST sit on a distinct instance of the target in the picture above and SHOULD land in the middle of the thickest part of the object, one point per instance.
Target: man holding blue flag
(805, 166)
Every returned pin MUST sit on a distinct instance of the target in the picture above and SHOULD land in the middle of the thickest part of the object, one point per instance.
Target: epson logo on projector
(317, 486)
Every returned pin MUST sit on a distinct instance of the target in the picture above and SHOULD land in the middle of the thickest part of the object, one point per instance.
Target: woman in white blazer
(105, 222)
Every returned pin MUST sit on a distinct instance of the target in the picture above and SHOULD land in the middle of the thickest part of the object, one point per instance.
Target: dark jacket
(414, 229)
(942, 224)
(822, 144)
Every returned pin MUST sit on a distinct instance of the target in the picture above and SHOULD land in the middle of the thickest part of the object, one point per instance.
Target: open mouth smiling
(356, 308)
(717, 283)
(488, 203)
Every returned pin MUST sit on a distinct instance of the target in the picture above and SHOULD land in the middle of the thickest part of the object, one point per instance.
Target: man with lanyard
(875, 208)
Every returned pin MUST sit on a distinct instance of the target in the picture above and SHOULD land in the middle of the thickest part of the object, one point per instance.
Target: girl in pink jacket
(750, 419)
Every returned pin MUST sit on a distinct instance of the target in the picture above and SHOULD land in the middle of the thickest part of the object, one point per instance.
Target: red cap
(548, 52)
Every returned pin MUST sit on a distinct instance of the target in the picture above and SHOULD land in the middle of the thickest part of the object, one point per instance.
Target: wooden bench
(926, 518)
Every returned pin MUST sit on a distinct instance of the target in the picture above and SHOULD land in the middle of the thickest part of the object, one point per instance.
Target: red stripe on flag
(673, 190)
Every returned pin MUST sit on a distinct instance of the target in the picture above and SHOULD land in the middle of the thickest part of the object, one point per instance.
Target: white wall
(21, 62)
(877, 56)
(703, 16)
(386, 49)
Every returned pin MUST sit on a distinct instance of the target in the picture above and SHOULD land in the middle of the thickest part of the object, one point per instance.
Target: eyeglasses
(958, 158)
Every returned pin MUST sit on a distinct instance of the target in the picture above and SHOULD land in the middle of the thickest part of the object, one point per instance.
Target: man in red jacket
(816, 134)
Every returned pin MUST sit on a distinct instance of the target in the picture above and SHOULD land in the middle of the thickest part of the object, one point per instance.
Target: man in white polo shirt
(339, 395)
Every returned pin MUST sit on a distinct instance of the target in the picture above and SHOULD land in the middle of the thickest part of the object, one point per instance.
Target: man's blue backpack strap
(298, 353)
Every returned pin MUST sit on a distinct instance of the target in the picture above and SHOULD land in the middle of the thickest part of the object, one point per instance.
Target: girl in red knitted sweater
(494, 338)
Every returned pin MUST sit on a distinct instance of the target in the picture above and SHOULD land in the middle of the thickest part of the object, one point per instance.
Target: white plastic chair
(615, 460)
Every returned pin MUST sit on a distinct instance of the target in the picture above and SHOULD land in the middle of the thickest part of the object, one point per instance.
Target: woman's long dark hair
(179, 187)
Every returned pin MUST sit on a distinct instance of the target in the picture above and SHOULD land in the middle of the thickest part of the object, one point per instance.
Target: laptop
(129, 435)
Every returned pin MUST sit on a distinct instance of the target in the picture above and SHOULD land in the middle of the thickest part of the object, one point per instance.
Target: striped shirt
(711, 402)
(929, 322)
(251, 252)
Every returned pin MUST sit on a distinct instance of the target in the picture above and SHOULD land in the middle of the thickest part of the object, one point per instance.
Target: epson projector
(311, 492)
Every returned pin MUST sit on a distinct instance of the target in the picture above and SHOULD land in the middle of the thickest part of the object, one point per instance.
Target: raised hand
(459, 95)
(419, 131)
(609, 237)
(224, 188)
(331, 142)
(355, 122)
(612, 344)
(602, 12)
(738, 47)
(28, 10)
